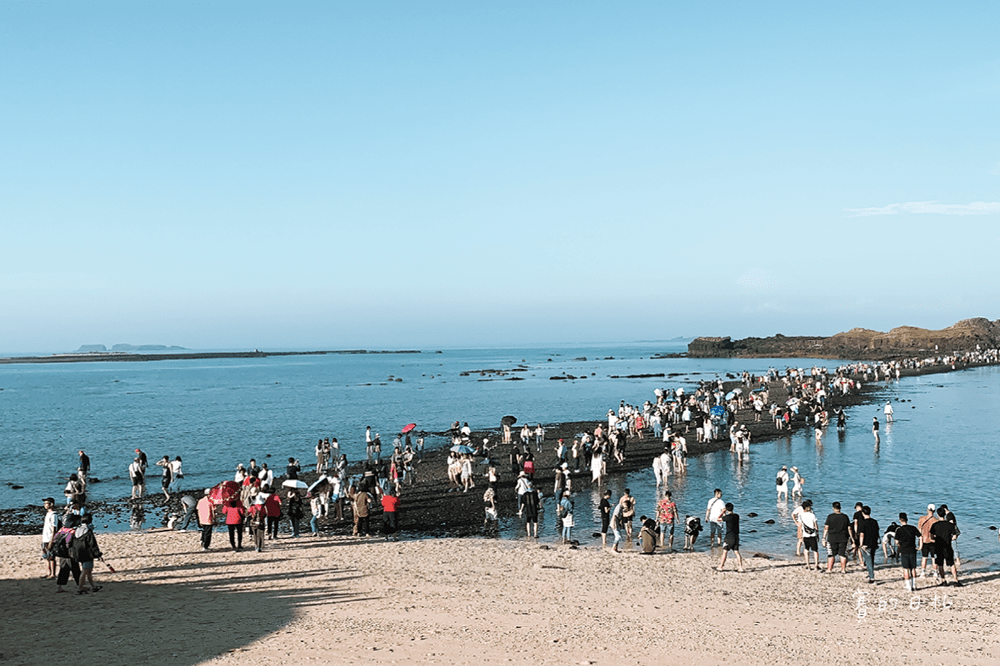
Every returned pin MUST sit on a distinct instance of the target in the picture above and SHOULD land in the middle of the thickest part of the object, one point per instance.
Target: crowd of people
(258, 500)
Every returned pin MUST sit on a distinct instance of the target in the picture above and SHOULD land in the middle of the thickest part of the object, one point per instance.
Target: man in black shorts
(906, 542)
(836, 536)
(943, 532)
(732, 540)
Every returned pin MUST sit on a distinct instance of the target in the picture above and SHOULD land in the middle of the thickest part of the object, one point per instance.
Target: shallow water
(214, 413)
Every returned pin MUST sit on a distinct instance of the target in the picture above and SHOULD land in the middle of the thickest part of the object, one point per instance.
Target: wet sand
(459, 601)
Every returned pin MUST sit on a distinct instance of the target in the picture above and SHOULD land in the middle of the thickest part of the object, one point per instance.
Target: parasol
(319, 483)
(294, 483)
(407, 428)
(225, 491)
(462, 448)
(718, 410)
(508, 420)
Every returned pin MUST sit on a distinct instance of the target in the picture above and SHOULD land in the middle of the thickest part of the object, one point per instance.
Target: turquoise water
(214, 413)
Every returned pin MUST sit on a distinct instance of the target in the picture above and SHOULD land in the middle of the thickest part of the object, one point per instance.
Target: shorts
(733, 545)
(945, 555)
(669, 528)
(908, 560)
(605, 524)
(835, 548)
(927, 550)
(87, 566)
(165, 482)
(810, 543)
(137, 481)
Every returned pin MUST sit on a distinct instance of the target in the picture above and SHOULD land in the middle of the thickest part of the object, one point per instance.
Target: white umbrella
(294, 483)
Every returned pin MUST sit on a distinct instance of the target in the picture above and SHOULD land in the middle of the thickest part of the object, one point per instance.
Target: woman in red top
(390, 521)
(272, 506)
(234, 512)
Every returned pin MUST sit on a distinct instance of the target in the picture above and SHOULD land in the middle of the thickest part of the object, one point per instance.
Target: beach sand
(475, 601)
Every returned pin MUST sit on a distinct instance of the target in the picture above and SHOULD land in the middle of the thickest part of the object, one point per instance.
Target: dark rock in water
(93, 480)
(761, 556)
(582, 358)
(769, 521)
(16, 487)
(752, 532)
(993, 528)
(751, 515)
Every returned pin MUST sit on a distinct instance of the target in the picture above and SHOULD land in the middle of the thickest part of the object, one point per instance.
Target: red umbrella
(407, 428)
(224, 492)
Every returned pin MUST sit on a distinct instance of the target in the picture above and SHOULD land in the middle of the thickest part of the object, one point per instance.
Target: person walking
(234, 513)
(836, 534)
(781, 482)
(868, 541)
(390, 515)
(732, 540)
(206, 519)
(168, 475)
(809, 526)
(272, 507)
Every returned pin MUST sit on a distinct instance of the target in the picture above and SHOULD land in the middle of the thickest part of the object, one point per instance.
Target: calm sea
(215, 413)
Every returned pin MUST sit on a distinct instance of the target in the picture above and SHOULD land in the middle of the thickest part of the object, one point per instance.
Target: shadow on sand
(163, 615)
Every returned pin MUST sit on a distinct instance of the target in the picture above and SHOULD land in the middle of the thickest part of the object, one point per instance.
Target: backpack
(777, 480)
(60, 545)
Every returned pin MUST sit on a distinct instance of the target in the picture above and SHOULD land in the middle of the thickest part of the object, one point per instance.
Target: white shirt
(808, 519)
(49, 527)
(715, 508)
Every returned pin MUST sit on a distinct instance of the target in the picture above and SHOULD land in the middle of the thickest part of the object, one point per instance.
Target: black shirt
(732, 521)
(605, 507)
(84, 463)
(292, 471)
(942, 531)
(906, 539)
(837, 524)
(868, 527)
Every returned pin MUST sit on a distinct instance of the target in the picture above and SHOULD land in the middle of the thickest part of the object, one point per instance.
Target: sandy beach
(473, 601)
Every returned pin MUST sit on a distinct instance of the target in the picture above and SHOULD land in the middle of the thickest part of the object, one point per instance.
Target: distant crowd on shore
(257, 501)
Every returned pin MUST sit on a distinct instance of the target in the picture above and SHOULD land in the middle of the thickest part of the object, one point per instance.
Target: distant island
(168, 354)
(858, 343)
(91, 349)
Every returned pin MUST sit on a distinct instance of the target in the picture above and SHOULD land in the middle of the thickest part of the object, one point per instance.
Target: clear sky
(411, 175)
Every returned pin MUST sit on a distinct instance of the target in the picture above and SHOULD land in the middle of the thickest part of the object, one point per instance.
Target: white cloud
(974, 208)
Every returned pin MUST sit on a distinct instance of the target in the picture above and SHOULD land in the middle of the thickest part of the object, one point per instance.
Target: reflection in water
(137, 518)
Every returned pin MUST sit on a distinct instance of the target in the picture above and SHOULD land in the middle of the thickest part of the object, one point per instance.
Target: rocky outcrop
(858, 343)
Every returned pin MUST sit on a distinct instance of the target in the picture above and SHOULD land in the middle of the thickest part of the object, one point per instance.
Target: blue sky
(332, 175)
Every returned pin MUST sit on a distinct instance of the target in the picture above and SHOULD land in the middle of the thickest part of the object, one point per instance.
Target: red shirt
(273, 505)
(389, 503)
(234, 514)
